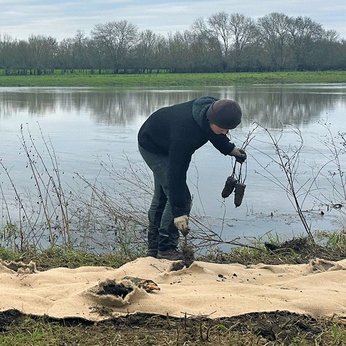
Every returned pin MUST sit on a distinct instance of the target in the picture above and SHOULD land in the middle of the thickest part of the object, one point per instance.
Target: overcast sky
(62, 18)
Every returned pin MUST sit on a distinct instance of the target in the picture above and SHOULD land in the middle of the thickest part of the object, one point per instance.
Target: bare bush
(108, 213)
(43, 210)
(286, 157)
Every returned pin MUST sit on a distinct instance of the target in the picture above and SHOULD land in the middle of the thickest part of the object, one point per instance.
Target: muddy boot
(229, 186)
(152, 253)
(170, 254)
(239, 191)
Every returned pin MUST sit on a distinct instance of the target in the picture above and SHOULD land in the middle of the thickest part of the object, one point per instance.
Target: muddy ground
(274, 328)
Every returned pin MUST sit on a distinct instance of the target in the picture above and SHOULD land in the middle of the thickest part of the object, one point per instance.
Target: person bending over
(166, 141)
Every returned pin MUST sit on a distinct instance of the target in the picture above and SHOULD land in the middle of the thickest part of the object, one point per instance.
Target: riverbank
(170, 79)
(256, 328)
(260, 328)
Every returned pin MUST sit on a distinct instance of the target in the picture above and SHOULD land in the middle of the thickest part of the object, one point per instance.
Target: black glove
(239, 154)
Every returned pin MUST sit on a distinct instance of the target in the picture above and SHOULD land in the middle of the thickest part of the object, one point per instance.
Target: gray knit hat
(224, 113)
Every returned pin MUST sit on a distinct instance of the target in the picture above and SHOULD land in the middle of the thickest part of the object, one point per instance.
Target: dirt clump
(113, 288)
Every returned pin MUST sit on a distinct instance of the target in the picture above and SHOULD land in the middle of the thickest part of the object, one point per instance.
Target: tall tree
(209, 41)
(242, 31)
(7, 53)
(273, 31)
(42, 53)
(219, 24)
(303, 33)
(178, 52)
(80, 51)
(115, 40)
(223, 42)
(147, 51)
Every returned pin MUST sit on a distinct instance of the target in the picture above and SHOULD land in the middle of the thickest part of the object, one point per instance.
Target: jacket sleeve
(221, 143)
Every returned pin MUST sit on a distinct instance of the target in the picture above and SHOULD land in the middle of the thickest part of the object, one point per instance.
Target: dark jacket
(177, 131)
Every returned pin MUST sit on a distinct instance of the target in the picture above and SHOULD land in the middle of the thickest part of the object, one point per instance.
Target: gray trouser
(162, 234)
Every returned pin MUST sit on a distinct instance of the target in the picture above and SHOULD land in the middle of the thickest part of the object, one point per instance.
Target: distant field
(171, 79)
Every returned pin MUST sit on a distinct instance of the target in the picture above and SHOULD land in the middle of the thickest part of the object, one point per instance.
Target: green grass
(251, 329)
(171, 80)
(329, 245)
(59, 257)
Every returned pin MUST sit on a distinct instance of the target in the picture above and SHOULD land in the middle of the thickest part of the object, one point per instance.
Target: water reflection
(275, 106)
(90, 125)
(272, 106)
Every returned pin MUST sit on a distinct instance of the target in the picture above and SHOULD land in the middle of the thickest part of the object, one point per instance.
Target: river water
(86, 126)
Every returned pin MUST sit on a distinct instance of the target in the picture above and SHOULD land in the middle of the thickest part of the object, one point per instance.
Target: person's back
(167, 141)
(169, 126)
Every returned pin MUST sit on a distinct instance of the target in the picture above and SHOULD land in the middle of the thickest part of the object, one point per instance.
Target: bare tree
(65, 55)
(115, 39)
(80, 54)
(287, 159)
(7, 53)
(273, 29)
(206, 47)
(243, 33)
(219, 24)
(178, 48)
(147, 51)
(42, 53)
(303, 33)
(222, 42)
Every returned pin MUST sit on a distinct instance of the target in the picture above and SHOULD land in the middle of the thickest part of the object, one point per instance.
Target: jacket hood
(200, 107)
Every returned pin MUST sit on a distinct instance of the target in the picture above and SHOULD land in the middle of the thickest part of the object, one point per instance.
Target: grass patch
(276, 328)
(170, 79)
(267, 249)
(59, 257)
(329, 245)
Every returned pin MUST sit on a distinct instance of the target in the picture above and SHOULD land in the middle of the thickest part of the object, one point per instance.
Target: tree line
(221, 43)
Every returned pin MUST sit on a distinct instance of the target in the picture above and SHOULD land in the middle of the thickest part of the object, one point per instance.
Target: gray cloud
(63, 18)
